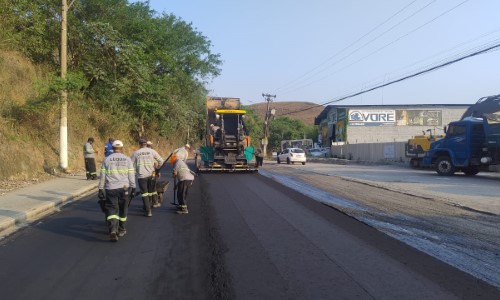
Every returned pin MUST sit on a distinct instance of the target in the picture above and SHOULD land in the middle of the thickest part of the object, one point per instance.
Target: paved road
(280, 244)
(454, 219)
(246, 237)
(68, 256)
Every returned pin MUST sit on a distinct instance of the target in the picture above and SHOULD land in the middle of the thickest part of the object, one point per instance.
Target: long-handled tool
(157, 172)
(175, 181)
(175, 192)
(129, 194)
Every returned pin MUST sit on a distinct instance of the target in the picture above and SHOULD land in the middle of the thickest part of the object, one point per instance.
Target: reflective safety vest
(117, 171)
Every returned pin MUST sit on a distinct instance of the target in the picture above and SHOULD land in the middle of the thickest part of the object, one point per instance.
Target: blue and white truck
(471, 144)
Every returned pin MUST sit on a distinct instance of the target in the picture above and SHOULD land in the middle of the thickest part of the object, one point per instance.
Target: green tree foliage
(145, 69)
(285, 128)
(254, 126)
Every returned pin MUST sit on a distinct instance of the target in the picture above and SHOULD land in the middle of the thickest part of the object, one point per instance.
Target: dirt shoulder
(12, 185)
(465, 238)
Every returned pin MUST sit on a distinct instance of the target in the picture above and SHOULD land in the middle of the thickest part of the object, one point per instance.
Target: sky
(320, 51)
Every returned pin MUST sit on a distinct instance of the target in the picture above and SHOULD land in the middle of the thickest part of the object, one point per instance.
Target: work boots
(182, 209)
(113, 237)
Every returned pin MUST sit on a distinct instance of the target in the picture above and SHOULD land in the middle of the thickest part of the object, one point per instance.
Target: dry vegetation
(303, 111)
(31, 143)
(16, 79)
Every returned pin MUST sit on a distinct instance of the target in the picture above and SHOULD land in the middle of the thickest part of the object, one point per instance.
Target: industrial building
(355, 124)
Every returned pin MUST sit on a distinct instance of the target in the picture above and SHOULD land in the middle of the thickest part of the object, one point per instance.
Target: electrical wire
(381, 48)
(449, 50)
(428, 70)
(345, 48)
(456, 55)
(359, 48)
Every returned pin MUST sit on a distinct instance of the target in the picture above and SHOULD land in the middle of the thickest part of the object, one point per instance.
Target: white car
(292, 155)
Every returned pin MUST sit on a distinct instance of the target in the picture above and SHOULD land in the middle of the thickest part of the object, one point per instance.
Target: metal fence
(371, 152)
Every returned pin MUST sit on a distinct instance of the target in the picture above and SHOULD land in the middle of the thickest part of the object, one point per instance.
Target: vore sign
(372, 117)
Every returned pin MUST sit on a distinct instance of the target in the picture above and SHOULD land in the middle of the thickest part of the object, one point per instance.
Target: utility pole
(267, 119)
(63, 128)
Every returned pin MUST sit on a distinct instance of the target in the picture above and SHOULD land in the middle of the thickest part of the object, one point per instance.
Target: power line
(455, 55)
(347, 47)
(434, 68)
(269, 114)
(381, 48)
(360, 47)
(458, 54)
(452, 57)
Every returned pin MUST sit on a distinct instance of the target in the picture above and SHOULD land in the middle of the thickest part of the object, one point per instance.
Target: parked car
(292, 155)
(319, 152)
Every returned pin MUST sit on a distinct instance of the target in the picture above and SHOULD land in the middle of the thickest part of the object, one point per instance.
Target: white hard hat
(187, 146)
(149, 143)
(117, 144)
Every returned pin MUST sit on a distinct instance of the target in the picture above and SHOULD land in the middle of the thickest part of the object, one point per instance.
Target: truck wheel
(288, 160)
(444, 166)
(303, 163)
(470, 171)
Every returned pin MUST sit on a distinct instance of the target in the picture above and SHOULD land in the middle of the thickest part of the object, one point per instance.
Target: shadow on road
(77, 227)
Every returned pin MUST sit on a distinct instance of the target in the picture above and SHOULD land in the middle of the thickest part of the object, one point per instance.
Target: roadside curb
(9, 219)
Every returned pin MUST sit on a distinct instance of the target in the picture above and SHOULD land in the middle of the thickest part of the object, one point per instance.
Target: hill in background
(303, 111)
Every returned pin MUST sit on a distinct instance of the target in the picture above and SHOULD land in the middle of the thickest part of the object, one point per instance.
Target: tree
(285, 128)
(254, 125)
(142, 68)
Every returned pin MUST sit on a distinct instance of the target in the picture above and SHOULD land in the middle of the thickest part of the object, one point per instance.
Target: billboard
(418, 117)
(372, 117)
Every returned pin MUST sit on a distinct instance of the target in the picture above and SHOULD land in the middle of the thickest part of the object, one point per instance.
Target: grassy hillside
(302, 111)
(132, 73)
(29, 129)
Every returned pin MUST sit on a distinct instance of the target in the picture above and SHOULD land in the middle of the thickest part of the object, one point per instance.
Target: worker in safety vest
(108, 148)
(182, 153)
(145, 161)
(185, 179)
(89, 156)
(156, 175)
(118, 179)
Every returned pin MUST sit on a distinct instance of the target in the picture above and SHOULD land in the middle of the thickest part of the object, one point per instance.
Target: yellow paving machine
(227, 144)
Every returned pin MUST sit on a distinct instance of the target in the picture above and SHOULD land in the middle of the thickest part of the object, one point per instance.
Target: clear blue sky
(320, 50)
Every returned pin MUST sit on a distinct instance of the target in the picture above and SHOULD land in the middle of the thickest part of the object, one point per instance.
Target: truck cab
(464, 148)
(471, 144)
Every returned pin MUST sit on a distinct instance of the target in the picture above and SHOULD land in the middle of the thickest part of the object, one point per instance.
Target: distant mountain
(303, 111)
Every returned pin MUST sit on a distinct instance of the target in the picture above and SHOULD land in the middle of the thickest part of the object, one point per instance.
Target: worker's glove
(101, 195)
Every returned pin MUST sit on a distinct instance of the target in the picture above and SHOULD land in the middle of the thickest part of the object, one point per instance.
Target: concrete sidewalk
(35, 201)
